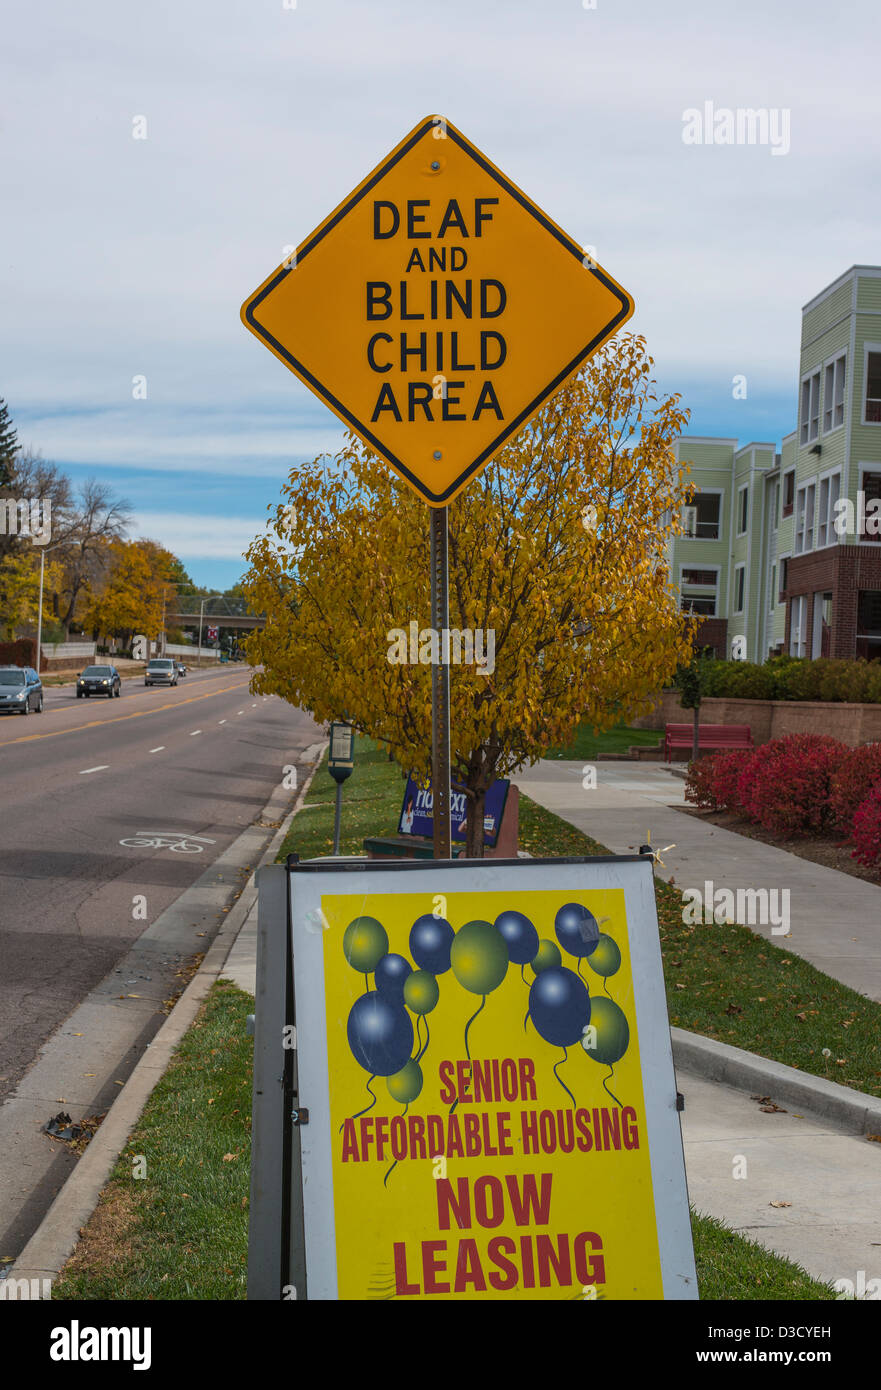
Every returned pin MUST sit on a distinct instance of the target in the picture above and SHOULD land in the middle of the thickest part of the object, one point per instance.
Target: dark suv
(99, 680)
(21, 690)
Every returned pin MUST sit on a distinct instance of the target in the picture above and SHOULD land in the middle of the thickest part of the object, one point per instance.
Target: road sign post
(340, 765)
(440, 685)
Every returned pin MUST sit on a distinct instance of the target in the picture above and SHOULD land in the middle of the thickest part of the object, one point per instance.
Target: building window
(804, 518)
(788, 492)
(772, 587)
(742, 510)
(829, 491)
(873, 388)
(699, 589)
(798, 625)
(775, 506)
(869, 624)
(702, 516)
(784, 577)
(870, 486)
(739, 587)
(810, 408)
(833, 395)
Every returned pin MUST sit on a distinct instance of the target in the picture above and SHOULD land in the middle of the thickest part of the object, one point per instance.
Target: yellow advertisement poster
(487, 1115)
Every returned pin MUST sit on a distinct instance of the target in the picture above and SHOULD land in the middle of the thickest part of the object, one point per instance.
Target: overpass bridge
(214, 612)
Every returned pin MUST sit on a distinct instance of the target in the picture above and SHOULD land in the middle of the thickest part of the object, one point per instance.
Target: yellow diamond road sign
(436, 310)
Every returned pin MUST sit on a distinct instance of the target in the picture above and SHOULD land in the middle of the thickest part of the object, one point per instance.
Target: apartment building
(783, 546)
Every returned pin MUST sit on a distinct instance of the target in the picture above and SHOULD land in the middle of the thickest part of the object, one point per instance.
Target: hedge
(793, 678)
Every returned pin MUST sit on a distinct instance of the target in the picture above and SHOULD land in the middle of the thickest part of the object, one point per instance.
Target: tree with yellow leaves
(20, 589)
(557, 573)
(136, 586)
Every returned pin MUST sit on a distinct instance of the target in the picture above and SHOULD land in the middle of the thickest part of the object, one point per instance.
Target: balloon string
(611, 1072)
(606, 986)
(418, 1038)
(525, 1020)
(427, 1039)
(367, 1107)
(523, 974)
(468, 1025)
(560, 1079)
(395, 1164)
(578, 967)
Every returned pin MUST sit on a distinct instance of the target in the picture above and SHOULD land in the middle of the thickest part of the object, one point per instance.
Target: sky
(126, 257)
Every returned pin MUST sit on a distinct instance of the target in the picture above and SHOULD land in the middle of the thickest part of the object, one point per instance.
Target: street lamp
(43, 550)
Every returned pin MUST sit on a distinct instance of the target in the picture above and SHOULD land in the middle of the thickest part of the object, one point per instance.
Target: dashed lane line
(160, 749)
(102, 768)
(118, 719)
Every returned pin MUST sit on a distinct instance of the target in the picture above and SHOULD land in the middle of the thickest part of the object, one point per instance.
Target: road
(199, 760)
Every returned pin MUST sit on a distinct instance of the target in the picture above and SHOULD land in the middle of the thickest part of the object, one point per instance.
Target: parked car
(21, 690)
(161, 671)
(98, 680)
(181, 668)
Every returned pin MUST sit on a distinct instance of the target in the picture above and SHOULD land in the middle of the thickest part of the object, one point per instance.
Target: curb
(55, 1239)
(853, 1111)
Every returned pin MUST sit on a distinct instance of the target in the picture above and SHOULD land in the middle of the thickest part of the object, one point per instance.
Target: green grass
(180, 1232)
(731, 1267)
(587, 744)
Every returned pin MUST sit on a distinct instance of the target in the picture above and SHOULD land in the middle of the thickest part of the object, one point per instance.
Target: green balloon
(479, 957)
(406, 1084)
(612, 1032)
(548, 955)
(365, 943)
(605, 959)
(421, 992)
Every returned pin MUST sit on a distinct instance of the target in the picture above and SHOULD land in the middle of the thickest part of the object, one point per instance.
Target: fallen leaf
(874, 1138)
(802, 1018)
(230, 1158)
(779, 1204)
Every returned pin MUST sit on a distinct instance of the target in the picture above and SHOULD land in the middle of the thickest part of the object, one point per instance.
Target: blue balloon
(520, 935)
(391, 972)
(559, 1006)
(380, 1034)
(577, 930)
(430, 941)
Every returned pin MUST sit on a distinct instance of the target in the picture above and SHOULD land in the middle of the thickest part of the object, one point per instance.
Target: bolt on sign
(436, 310)
(484, 1065)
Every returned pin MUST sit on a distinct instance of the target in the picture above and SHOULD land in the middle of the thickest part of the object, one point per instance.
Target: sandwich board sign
(478, 1099)
(436, 310)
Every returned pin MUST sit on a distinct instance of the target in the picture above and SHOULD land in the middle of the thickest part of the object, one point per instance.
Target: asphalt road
(197, 762)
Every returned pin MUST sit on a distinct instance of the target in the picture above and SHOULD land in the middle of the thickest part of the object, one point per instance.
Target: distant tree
(8, 444)
(30, 476)
(99, 520)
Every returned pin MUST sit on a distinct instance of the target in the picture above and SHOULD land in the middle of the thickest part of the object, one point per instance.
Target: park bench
(712, 736)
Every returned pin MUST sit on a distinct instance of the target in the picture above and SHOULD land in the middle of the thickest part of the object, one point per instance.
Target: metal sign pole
(440, 684)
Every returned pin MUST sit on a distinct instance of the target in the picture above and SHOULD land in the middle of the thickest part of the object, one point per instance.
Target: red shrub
(867, 830)
(858, 774)
(785, 787)
(712, 781)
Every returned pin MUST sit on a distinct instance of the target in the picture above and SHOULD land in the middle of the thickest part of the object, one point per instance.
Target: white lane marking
(221, 721)
(254, 706)
(160, 749)
(240, 711)
(195, 731)
(85, 770)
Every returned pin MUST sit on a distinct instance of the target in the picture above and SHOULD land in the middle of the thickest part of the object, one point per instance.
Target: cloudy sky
(123, 257)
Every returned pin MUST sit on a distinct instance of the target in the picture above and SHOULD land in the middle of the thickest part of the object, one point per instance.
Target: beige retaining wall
(851, 723)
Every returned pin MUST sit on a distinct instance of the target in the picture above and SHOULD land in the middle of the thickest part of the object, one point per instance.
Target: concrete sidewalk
(835, 920)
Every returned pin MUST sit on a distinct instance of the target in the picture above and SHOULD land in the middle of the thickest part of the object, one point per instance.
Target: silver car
(21, 690)
(161, 671)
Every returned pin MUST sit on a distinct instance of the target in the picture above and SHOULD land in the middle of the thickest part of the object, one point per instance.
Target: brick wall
(851, 723)
(843, 570)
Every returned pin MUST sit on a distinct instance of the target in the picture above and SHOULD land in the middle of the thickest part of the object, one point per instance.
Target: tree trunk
(695, 746)
(474, 831)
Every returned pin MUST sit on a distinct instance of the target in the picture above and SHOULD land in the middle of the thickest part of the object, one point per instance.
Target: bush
(785, 786)
(867, 830)
(858, 774)
(795, 678)
(712, 782)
